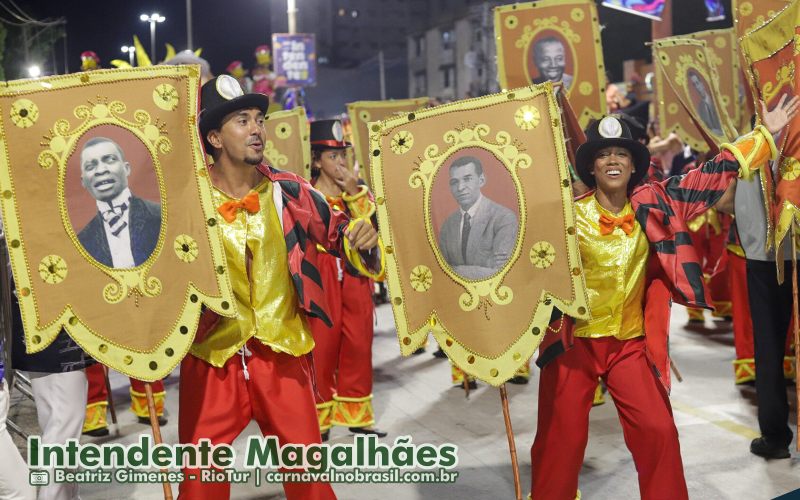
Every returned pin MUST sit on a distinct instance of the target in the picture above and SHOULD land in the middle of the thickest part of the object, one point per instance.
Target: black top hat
(327, 134)
(223, 95)
(610, 131)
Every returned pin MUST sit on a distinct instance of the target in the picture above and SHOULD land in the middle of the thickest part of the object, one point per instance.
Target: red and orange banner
(773, 54)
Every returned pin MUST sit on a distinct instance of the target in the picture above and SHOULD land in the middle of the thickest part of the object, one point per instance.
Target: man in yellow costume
(254, 366)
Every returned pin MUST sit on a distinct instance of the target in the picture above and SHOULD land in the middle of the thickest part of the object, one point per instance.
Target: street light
(130, 51)
(35, 71)
(153, 19)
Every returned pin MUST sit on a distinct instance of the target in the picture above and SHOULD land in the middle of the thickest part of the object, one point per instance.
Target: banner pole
(796, 323)
(512, 447)
(151, 409)
(109, 397)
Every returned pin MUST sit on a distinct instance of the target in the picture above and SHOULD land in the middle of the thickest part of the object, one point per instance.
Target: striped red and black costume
(674, 270)
(307, 219)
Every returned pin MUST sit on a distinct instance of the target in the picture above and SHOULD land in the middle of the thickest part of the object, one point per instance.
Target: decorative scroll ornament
(472, 282)
(288, 146)
(107, 207)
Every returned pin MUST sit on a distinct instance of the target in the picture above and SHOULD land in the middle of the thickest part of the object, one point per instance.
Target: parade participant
(89, 61)
(14, 484)
(253, 366)
(59, 389)
(709, 233)
(744, 366)
(14, 472)
(236, 70)
(771, 308)
(190, 57)
(263, 77)
(343, 352)
(96, 421)
(617, 226)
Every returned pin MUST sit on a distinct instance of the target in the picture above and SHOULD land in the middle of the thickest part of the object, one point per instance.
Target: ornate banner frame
(771, 52)
(488, 322)
(361, 113)
(141, 319)
(571, 23)
(288, 145)
(721, 47)
(678, 59)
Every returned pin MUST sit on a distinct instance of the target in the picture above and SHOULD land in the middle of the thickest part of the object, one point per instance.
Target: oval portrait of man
(112, 197)
(701, 97)
(474, 213)
(549, 58)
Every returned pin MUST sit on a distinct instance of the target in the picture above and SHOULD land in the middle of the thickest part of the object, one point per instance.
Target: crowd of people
(665, 222)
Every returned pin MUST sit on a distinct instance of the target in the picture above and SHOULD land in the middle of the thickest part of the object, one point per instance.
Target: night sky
(225, 29)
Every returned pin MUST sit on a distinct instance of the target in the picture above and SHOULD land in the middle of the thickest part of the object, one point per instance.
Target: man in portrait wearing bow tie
(124, 231)
(478, 238)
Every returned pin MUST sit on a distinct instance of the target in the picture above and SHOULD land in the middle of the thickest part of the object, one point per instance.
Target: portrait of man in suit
(477, 239)
(704, 104)
(550, 59)
(124, 231)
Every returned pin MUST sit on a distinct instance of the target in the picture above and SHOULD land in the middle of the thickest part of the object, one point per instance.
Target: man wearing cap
(254, 366)
(636, 255)
(343, 352)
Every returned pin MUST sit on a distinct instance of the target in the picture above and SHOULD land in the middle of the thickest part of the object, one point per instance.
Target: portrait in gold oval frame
(112, 198)
(474, 214)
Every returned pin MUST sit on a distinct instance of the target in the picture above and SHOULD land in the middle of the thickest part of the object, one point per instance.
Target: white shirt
(120, 245)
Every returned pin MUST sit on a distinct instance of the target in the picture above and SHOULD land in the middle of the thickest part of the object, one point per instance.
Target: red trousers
(710, 247)
(566, 391)
(218, 403)
(744, 364)
(97, 385)
(343, 352)
(99, 394)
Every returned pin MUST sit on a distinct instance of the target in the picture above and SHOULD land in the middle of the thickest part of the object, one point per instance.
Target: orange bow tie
(607, 224)
(250, 203)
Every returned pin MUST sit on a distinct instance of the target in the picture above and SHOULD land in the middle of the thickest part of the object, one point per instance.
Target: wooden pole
(109, 397)
(675, 370)
(151, 409)
(796, 322)
(512, 447)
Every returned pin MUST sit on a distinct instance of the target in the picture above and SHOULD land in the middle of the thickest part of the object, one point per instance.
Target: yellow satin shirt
(614, 268)
(266, 300)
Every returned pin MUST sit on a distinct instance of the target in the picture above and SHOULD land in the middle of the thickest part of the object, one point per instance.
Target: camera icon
(39, 478)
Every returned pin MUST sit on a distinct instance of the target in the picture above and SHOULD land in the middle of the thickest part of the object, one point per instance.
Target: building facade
(455, 58)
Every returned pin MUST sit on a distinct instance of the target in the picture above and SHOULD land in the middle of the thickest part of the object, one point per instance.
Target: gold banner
(553, 40)
(722, 50)
(108, 214)
(688, 96)
(486, 286)
(752, 14)
(288, 147)
(361, 113)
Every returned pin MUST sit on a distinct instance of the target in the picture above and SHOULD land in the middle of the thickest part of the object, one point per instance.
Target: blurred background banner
(647, 8)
